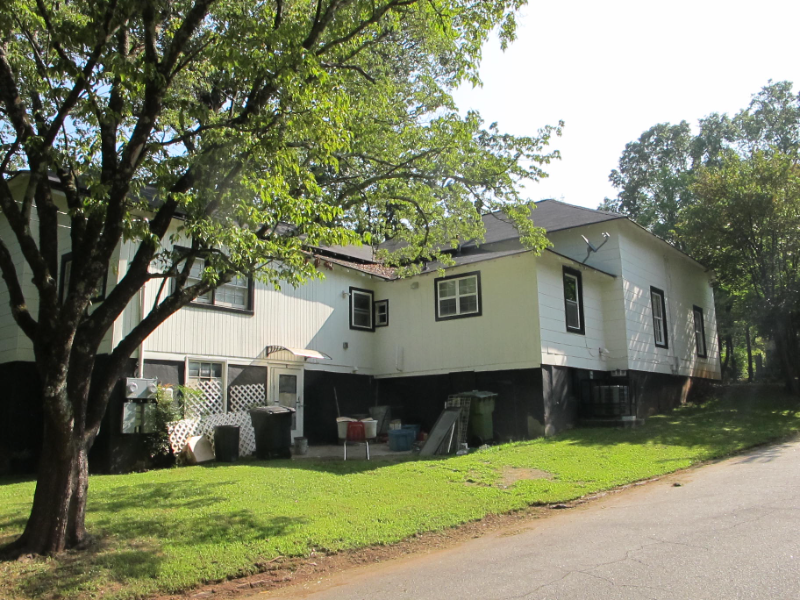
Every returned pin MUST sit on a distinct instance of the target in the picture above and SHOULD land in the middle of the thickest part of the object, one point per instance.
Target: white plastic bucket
(341, 426)
(370, 428)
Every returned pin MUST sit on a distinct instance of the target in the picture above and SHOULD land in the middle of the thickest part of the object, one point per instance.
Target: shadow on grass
(75, 574)
(14, 479)
(13, 524)
(127, 553)
(213, 522)
(332, 465)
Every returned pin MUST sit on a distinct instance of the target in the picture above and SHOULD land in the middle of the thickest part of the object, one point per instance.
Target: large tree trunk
(749, 354)
(786, 346)
(58, 514)
(56, 521)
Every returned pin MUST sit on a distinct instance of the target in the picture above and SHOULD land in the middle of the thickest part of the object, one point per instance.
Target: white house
(550, 334)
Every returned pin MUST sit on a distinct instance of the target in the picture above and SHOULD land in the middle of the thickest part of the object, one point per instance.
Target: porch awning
(303, 352)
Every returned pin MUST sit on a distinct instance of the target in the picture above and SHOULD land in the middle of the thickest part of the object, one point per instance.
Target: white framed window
(208, 377)
(699, 332)
(659, 309)
(381, 313)
(235, 295)
(573, 301)
(195, 276)
(458, 296)
(361, 309)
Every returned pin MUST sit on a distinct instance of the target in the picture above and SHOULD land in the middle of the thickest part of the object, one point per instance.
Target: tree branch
(19, 307)
(377, 15)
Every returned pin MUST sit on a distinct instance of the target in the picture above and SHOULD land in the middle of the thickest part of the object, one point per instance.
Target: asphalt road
(729, 530)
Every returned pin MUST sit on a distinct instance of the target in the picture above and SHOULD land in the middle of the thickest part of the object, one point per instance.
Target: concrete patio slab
(377, 451)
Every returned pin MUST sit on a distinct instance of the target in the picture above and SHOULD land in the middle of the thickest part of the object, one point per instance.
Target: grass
(167, 531)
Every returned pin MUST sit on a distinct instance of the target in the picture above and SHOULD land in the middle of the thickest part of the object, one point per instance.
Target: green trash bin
(481, 424)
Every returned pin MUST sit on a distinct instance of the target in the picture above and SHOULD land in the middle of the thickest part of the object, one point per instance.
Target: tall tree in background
(659, 180)
(745, 224)
(653, 178)
(770, 123)
(655, 173)
(334, 116)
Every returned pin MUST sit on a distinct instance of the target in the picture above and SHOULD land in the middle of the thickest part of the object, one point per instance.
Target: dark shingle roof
(362, 253)
(551, 215)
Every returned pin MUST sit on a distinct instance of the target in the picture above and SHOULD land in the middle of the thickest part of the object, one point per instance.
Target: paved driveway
(729, 530)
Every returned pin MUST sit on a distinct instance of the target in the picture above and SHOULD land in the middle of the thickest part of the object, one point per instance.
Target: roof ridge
(594, 210)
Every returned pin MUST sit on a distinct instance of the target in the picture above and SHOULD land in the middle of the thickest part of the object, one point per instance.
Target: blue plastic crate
(400, 440)
(415, 428)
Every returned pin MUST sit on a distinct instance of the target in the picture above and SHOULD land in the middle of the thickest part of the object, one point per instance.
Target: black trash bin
(273, 429)
(226, 443)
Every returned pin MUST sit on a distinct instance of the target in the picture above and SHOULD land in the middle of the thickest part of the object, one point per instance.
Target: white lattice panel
(209, 403)
(180, 431)
(244, 397)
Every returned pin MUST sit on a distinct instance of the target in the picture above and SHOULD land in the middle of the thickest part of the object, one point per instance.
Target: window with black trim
(361, 309)
(458, 296)
(573, 301)
(659, 309)
(234, 296)
(381, 313)
(66, 272)
(699, 331)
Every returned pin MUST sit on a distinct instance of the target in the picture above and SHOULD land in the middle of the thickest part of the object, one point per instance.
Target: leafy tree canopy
(745, 223)
(655, 173)
(267, 126)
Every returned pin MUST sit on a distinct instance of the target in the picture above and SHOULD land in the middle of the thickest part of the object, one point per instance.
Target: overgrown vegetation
(169, 530)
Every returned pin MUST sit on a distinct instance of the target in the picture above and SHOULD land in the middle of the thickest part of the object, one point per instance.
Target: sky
(613, 69)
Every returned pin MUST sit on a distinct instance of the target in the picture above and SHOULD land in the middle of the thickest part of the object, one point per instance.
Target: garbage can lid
(477, 394)
(273, 409)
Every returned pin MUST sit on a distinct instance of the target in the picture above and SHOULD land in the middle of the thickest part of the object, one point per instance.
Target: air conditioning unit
(614, 394)
(611, 401)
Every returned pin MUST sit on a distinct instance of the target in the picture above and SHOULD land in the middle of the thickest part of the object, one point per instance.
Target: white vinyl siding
(560, 345)
(646, 264)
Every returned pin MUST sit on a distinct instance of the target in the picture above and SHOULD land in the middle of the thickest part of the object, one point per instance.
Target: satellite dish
(592, 247)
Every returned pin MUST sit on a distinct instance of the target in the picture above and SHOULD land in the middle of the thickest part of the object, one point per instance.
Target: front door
(287, 390)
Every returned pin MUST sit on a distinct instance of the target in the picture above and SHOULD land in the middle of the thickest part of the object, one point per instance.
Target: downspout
(140, 359)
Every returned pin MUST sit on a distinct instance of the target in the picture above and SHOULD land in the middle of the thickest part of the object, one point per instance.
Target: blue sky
(613, 69)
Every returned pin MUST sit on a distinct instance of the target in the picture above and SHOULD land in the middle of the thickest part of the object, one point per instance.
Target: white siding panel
(505, 336)
(570, 243)
(648, 262)
(15, 345)
(562, 347)
(314, 316)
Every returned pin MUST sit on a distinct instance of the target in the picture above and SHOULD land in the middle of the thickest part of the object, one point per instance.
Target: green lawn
(166, 531)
